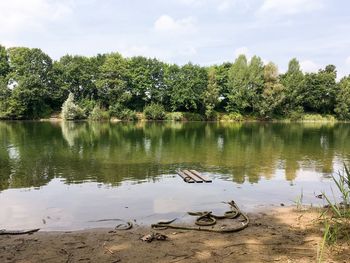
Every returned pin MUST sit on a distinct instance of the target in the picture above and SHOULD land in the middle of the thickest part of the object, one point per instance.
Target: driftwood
(18, 232)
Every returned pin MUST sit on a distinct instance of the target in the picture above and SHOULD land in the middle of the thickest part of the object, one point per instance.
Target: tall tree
(211, 93)
(342, 108)
(272, 95)
(112, 82)
(255, 82)
(187, 85)
(31, 81)
(319, 90)
(5, 92)
(78, 75)
(237, 99)
(293, 81)
(146, 81)
(4, 63)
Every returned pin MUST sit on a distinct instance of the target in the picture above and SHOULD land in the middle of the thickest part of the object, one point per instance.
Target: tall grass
(338, 220)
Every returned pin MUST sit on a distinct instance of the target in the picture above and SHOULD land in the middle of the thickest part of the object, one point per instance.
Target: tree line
(32, 86)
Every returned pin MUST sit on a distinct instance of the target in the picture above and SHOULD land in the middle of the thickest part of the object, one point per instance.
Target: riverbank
(187, 116)
(283, 234)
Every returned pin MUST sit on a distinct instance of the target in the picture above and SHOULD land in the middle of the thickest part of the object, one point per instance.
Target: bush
(127, 115)
(71, 111)
(296, 114)
(190, 116)
(98, 114)
(212, 115)
(318, 118)
(154, 111)
(174, 116)
(87, 106)
(234, 116)
(120, 112)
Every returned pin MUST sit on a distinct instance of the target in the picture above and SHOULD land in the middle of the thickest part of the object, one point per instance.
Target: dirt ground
(280, 235)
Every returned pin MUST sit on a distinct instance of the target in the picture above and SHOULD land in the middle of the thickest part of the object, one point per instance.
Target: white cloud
(289, 7)
(19, 15)
(224, 5)
(167, 24)
(188, 51)
(347, 61)
(309, 66)
(219, 5)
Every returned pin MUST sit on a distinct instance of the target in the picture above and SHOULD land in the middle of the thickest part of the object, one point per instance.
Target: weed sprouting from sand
(299, 200)
(337, 217)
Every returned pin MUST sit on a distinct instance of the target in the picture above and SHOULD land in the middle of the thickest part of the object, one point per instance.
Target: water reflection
(33, 153)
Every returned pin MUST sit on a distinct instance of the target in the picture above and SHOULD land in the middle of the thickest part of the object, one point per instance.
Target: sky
(204, 32)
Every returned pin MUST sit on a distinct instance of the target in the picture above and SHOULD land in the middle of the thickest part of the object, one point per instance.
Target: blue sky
(317, 32)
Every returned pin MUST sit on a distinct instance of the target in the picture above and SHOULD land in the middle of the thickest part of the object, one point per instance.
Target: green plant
(320, 250)
(71, 111)
(297, 114)
(127, 115)
(234, 116)
(318, 118)
(98, 114)
(299, 200)
(154, 111)
(339, 221)
(191, 116)
(174, 116)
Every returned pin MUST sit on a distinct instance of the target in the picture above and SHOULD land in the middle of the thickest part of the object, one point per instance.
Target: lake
(63, 175)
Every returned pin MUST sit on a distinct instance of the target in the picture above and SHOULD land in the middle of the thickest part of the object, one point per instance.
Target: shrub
(71, 111)
(234, 116)
(318, 118)
(87, 106)
(212, 115)
(154, 111)
(175, 116)
(127, 115)
(190, 116)
(122, 113)
(296, 114)
(99, 114)
(116, 109)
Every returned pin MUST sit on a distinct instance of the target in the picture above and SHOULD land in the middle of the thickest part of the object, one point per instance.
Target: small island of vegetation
(105, 86)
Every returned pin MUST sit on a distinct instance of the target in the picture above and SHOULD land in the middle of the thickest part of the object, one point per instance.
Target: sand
(280, 235)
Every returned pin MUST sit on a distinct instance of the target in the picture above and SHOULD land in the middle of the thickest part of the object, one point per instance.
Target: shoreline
(283, 234)
(286, 121)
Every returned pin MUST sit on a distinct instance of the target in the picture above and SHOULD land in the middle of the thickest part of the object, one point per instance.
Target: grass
(337, 217)
(299, 200)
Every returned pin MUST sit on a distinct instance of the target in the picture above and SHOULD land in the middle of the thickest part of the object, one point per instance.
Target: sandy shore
(280, 235)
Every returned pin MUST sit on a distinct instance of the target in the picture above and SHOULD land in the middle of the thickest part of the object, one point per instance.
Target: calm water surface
(60, 176)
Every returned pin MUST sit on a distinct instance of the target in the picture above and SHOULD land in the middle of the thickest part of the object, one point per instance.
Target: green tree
(237, 100)
(273, 93)
(342, 108)
(78, 75)
(112, 82)
(5, 92)
(31, 81)
(211, 93)
(255, 83)
(186, 85)
(293, 81)
(146, 82)
(319, 90)
(4, 63)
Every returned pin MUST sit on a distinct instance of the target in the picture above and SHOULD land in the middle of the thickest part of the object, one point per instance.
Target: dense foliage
(32, 85)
